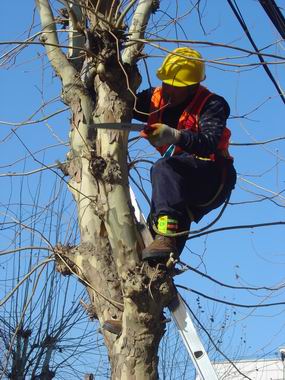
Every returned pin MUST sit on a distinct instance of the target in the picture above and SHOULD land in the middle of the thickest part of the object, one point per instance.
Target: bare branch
(2, 253)
(211, 43)
(214, 61)
(255, 306)
(26, 277)
(195, 270)
(242, 226)
(29, 121)
(30, 172)
(76, 25)
(258, 142)
(137, 29)
(49, 37)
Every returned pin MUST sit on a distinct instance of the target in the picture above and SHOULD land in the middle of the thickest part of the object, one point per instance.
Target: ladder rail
(180, 312)
(191, 340)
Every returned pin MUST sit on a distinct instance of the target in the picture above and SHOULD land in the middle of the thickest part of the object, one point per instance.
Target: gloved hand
(161, 134)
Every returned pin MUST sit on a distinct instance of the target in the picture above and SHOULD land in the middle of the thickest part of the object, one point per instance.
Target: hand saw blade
(137, 127)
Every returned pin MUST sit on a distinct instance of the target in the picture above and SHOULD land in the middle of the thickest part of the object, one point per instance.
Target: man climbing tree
(187, 125)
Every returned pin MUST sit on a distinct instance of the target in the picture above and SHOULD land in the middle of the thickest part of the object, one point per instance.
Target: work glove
(161, 134)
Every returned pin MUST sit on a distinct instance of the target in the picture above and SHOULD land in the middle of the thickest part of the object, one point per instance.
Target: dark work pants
(183, 182)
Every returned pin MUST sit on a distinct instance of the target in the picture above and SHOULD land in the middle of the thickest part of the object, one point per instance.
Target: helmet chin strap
(167, 98)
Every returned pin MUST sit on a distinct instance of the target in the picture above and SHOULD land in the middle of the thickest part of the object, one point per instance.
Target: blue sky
(248, 257)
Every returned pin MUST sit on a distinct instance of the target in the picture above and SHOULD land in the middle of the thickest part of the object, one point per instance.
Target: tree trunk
(107, 261)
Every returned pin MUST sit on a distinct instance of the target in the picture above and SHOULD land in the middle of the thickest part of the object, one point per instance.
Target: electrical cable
(275, 15)
(240, 19)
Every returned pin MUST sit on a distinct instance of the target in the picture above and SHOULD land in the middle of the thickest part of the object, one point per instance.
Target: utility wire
(275, 15)
(240, 19)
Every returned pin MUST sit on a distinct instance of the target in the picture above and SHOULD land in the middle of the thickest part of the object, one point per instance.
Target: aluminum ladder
(180, 312)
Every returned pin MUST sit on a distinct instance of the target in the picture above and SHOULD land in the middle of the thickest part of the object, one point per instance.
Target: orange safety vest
(189, 119)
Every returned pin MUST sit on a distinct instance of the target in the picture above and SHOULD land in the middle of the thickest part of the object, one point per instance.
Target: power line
(240, 19)
(275, 15)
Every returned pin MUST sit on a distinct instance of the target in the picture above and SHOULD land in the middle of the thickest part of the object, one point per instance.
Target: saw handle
(148, 130)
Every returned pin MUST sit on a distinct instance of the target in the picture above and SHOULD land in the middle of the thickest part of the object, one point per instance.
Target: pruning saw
(136, 127)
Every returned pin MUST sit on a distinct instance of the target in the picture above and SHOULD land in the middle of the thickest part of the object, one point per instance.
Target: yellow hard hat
(182, 70)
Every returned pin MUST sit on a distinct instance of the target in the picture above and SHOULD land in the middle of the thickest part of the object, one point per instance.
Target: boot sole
(158, 256)
(111, 328)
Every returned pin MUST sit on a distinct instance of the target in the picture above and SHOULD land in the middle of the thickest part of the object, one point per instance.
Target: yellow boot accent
(167, 225)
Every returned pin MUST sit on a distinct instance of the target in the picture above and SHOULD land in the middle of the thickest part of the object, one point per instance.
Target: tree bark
(107, 261)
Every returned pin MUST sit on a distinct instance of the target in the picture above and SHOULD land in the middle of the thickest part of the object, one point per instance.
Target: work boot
(114, 326)
(160, 249)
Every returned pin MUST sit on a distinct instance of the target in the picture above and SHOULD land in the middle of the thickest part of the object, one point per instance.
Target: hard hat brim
(176, 82)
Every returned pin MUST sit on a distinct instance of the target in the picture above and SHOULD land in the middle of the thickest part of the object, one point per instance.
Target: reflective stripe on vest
(189, 118)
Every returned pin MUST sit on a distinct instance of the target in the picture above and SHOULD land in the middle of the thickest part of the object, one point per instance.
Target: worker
(187, 125)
